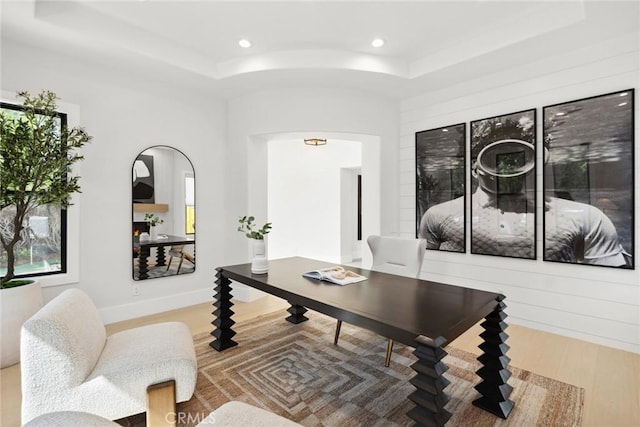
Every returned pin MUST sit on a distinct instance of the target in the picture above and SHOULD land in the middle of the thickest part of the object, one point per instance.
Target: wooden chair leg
(335, 339)
(161, 404)
(169, 263)
(387, 359)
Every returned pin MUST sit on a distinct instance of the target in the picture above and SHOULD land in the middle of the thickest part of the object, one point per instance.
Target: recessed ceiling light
(244, 43)
(623, 94)
(377, 43)
(445, 130)
(622, 104)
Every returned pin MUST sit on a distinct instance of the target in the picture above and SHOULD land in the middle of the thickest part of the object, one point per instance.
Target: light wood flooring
(611, 378)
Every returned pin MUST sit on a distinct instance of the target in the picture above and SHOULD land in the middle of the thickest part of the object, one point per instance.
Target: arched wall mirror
(163, 214)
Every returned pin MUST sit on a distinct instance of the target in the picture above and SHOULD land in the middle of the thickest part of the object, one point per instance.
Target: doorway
(257, 174)
(313, 199)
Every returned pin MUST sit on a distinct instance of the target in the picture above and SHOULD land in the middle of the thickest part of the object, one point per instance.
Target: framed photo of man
(440, 187)
(588, 181)
(503, 185)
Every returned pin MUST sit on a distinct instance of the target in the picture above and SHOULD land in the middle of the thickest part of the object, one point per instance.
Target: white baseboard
(151, 306)
(245, 293)
(595, 339)
(147, 307)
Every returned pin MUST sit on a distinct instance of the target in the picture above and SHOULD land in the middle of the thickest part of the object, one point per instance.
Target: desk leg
(223, 322)
(143, 266)
(297, 313)
(494, 372)
(429, 381)
(160, 258)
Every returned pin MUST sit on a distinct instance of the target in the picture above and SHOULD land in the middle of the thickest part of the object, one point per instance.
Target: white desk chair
(175, 251)
(393, 255)
(188, 257)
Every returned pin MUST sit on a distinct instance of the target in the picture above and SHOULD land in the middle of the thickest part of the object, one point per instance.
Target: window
(43, 248)
(189, 202)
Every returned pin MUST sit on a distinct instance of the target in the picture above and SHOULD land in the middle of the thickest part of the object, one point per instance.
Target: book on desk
(337, 275)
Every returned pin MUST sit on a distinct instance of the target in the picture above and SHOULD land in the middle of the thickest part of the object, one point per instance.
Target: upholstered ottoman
(70, 419)
(231, 414)
(235, 414)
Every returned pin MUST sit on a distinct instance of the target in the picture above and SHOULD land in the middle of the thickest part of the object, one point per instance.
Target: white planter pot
(16, 305)
(259, 264)
(153, 232)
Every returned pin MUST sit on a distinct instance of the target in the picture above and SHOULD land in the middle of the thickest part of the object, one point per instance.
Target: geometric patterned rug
(297, 372)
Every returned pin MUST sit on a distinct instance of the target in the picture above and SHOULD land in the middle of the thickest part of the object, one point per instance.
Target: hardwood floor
(610, 377)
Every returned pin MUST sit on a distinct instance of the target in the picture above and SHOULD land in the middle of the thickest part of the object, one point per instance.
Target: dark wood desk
(145, 250)
(418, 313)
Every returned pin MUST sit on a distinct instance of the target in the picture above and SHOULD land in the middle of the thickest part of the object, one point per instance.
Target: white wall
(126, 114)
(592, 303)
(350, 247)
(181, 169)
(257, 118)
(164, 187)
(305, 198)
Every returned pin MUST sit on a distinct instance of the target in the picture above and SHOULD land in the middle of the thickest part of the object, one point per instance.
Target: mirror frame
(166, 244)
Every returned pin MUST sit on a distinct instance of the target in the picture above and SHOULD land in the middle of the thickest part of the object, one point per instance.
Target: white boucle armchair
(69, 364)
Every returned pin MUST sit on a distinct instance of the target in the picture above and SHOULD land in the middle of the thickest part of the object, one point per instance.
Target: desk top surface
(169, 240)
(398, 307)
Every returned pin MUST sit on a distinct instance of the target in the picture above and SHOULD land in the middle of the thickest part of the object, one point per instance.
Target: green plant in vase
(259, 264)
(247, 226)
(153, 220)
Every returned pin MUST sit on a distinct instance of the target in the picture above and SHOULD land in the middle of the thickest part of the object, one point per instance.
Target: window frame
(187, 230)
(70, 217)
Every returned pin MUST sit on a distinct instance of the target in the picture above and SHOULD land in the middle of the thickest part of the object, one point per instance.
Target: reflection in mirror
(163, 226)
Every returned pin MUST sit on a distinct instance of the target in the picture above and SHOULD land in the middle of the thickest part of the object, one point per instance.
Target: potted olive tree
(37, 153)
(259, 263)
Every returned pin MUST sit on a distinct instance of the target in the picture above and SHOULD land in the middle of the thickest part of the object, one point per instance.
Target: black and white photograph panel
(588, 181)
(503, 185)
(143, 191)
(440, 187)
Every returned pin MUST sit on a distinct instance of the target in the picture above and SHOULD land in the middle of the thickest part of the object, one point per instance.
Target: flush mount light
(377, 43)
(315, 141)
(244, 43)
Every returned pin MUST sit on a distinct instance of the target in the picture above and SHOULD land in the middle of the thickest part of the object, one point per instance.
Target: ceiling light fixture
(315, 141)
(377, 43)
(244, 43)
